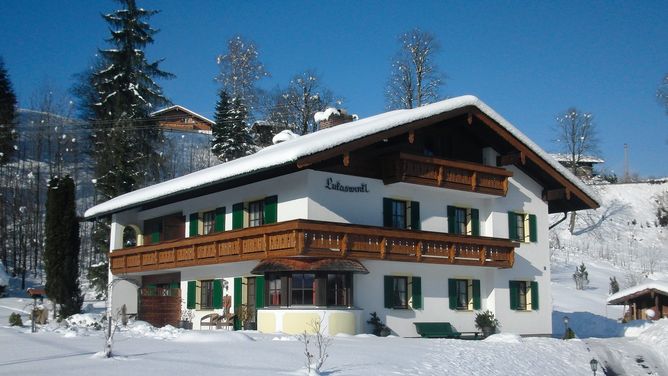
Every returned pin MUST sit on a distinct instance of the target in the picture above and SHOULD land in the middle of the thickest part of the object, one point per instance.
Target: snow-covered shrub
(662, 209)
(15, 319)
(316, 358)
(581, 277)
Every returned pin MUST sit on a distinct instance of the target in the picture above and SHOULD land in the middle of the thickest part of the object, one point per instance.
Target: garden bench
(436, 330)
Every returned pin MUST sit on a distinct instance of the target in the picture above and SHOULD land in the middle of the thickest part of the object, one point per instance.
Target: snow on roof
(583, 159)
(283, 136)
(177, 107)
(325, 115)
(290, 151)
(654, 285)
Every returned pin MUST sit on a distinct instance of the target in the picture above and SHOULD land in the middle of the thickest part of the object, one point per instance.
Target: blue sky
(529, 60)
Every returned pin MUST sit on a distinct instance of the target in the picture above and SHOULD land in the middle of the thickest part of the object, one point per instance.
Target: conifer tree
(231, 139)
(7, 115)
(61, 251)
(119, 96)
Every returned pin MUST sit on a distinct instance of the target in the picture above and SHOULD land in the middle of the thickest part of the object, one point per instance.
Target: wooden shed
(651, 295)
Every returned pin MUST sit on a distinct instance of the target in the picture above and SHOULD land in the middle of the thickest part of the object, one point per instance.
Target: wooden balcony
(317, 239)
(436, 172)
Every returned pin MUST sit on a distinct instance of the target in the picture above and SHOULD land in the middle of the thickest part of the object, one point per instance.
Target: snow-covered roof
(583, 159)
(290, 151)
(177, 107)
(619, 296)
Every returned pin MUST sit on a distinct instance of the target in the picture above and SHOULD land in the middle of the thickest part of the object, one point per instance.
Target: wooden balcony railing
(438, 172)
(318, 239)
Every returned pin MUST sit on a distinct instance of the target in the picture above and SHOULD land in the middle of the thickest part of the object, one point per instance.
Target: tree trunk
(571, 226)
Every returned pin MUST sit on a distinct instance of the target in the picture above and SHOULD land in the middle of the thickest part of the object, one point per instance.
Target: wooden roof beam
(511, 158)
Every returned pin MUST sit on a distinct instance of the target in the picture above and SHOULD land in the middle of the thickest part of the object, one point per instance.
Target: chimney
(332, 117)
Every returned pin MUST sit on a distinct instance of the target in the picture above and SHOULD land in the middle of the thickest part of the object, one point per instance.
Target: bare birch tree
(662, 92)
(577, 138)
(240, 70)
(295, 106)
(415, 79)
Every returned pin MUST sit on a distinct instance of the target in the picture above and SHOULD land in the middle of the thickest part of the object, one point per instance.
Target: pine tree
(581, 277)
(119, 96)
(61, 251)
(231, 139)
(7, 115)
(614, 286)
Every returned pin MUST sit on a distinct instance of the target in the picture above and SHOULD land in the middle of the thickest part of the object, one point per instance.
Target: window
(522, 227)
(399, 292)
(302, 289)
(206, 294)
(255, 213)
(208, 222)
(274, 288)
(337, 292)
(403, 292)
(463, 221)
(523, 295)
(464, 294)
(401, 214)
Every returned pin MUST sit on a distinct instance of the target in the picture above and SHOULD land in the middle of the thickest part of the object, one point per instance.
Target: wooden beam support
(469, 118)
(346, 159)
(383, 248)
(411, 136)
(554, 194)
(343, 247)
(511, 158)
(418, 251)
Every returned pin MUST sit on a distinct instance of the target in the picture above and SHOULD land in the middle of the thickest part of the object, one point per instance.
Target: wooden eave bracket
(511, 158)
(411, 136)
(556, 194)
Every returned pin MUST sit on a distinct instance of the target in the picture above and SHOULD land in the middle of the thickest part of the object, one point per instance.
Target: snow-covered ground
(636, 348)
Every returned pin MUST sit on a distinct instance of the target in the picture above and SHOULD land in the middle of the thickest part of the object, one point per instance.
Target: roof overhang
(309, 264)
(617, 300)
(563, 191)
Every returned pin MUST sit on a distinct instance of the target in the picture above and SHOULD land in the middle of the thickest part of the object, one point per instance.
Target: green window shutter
(417, 292)
(174, 285)
(217, 294)
(152, 290)
(238, 215)
(192, 290)
(270, 209)
(238, 286)
(388, 291)
(476, 294)
(475, 222)
(534, 295)
(387, 212)
(533, 228)
(194, 224)
(155, 234)
(415, 215)
(219, 224)
(451, 219)
(452, 293)
(514, 289)
(512, 226)
(259, 292)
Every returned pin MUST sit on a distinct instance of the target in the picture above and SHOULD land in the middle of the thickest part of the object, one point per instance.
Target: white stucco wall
(304, 195)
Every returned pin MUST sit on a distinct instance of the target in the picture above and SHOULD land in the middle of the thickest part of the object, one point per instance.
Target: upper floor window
(463, 221)
(522, 227)
(255, 213)
(401, 214)
(208, 222)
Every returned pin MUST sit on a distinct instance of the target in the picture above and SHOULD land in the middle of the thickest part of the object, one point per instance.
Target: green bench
(436, 330)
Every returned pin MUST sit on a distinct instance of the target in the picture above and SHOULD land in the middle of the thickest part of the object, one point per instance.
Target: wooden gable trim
(535, 158)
